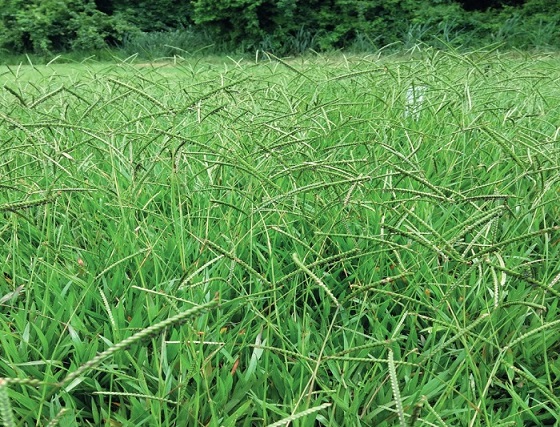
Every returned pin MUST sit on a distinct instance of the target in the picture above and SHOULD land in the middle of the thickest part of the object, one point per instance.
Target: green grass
(277, 243)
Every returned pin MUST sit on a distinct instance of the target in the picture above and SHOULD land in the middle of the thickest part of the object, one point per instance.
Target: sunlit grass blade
(299, 415)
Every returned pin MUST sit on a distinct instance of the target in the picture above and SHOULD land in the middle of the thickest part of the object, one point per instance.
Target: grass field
(336, 241)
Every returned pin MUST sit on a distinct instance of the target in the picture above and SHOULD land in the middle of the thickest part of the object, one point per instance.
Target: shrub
(45, 26)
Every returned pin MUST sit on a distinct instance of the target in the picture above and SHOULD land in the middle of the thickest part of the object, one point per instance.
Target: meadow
(324, 241)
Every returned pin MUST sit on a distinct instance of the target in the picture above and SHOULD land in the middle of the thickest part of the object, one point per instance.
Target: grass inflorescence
(285, 242)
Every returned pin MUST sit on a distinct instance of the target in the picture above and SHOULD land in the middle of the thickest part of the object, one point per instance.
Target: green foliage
(289, 26)
(278, 26)
(532, 25)
(346, 241)
(234, 19)
(161, 44)
(56, 25)
(152, 15)
(330, 23)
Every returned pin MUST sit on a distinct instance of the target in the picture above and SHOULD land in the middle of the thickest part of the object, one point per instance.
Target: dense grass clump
(338, 242)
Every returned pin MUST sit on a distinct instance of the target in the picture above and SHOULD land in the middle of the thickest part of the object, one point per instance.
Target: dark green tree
(149, 15)
(44, 26)
(333, 23)
(281, 26)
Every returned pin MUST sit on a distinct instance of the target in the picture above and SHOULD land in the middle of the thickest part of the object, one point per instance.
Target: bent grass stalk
(176, 320)
(224, 172)
(298, 415)
(315, 278)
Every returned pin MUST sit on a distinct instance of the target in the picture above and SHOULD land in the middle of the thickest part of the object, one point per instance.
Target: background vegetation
(279, 26)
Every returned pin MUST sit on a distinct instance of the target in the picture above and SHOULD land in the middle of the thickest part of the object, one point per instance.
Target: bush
(159, 44)
(288, 25)
(151, 15)
(46, 26)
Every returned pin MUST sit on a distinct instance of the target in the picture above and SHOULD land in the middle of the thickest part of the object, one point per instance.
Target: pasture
(328, 241)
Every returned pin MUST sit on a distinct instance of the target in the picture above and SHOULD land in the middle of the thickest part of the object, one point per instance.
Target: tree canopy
(284, 26)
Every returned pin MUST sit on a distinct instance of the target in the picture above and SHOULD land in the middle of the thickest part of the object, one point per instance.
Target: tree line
(281, 26)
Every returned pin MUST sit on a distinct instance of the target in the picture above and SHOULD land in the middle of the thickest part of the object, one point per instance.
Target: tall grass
(279, 243)
(168, 44)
